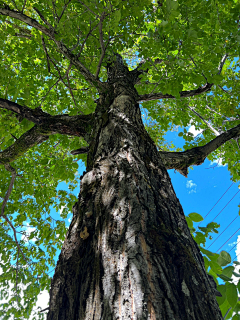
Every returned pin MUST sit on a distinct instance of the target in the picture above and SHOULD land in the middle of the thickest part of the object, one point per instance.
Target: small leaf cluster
(225, 273)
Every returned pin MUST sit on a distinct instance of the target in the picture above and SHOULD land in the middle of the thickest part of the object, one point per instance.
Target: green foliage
(220, 266)
(181, 42)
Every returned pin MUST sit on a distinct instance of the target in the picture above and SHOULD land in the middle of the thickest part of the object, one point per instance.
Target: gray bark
(128, 253)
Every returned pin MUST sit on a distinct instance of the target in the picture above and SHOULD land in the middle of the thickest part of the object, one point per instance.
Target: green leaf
(224, 258)
(232, 295)
(236, 274)
(196, 217)
(228, 271)
(207, 252)
(222, 289)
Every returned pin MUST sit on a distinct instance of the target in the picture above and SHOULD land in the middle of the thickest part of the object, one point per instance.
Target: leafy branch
(50, 33)
(5, 200)
(183, 94)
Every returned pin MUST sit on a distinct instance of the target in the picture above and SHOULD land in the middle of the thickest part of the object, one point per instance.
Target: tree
(72, 76)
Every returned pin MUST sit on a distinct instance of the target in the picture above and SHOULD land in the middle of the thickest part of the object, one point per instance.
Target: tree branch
(196, 156)
(5, 10)
(155, 96)
(21, 145)
(102, 46)
(44, 20)
(207, 87)
(14, 175)
(205, 121)
(34, 115)
(7, 195)
(81, 150)
(63, 124)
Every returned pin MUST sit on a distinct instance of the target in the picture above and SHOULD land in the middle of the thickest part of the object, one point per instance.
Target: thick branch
(155, 96)
(63, 124)
(5, 10)
(196, 156)
(34, 115)
(22, 145)
(47, 125)
(81, 150)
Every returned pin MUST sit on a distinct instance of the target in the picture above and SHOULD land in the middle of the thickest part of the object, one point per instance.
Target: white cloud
(28, 229)
(192, 191)
(232, 244)
(194, 131)
(191, 185)
(238, 249)
(61, 210)
(218, 162)
(42, 302)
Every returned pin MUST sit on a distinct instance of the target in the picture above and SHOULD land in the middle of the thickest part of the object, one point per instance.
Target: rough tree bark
(128, 253)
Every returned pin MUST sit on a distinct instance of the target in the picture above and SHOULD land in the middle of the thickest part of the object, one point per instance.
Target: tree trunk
(128, 253)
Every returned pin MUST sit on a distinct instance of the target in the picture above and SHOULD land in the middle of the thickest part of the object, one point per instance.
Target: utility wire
(223, 232)
(229, 239)
(236, 256)
(226, 205)
(234, 245)
(215, 204)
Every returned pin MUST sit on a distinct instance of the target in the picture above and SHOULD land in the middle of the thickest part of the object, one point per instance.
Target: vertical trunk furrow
(128, 253)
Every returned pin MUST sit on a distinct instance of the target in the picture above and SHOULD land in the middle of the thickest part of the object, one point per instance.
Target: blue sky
(200, 192)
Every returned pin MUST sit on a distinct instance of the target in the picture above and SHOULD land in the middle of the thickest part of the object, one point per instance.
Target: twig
(44, 309)
(101, 44)
(46, 53)
(87, 36)
(14, 175)
(43, 19)
(60, 79)
(70, 89)
(23, 36)
(76, 45)
(16, 284)
(223, 89)
(14, 3)
(96, 15)
(24, 6)
(54, 9)
(64, 8)
(205, 121)
(221, 64)
(48, 93)
(197, 66)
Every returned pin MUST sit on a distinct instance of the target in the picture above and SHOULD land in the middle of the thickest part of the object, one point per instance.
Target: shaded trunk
(128, 253)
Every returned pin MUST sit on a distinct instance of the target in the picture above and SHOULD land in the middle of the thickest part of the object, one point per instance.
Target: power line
(215, 204)
(229, 238)
(234, 245)
(236, 256)
(223, 232)
(226, 205)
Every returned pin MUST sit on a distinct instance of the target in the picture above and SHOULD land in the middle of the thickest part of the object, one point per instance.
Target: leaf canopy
(54, 56)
